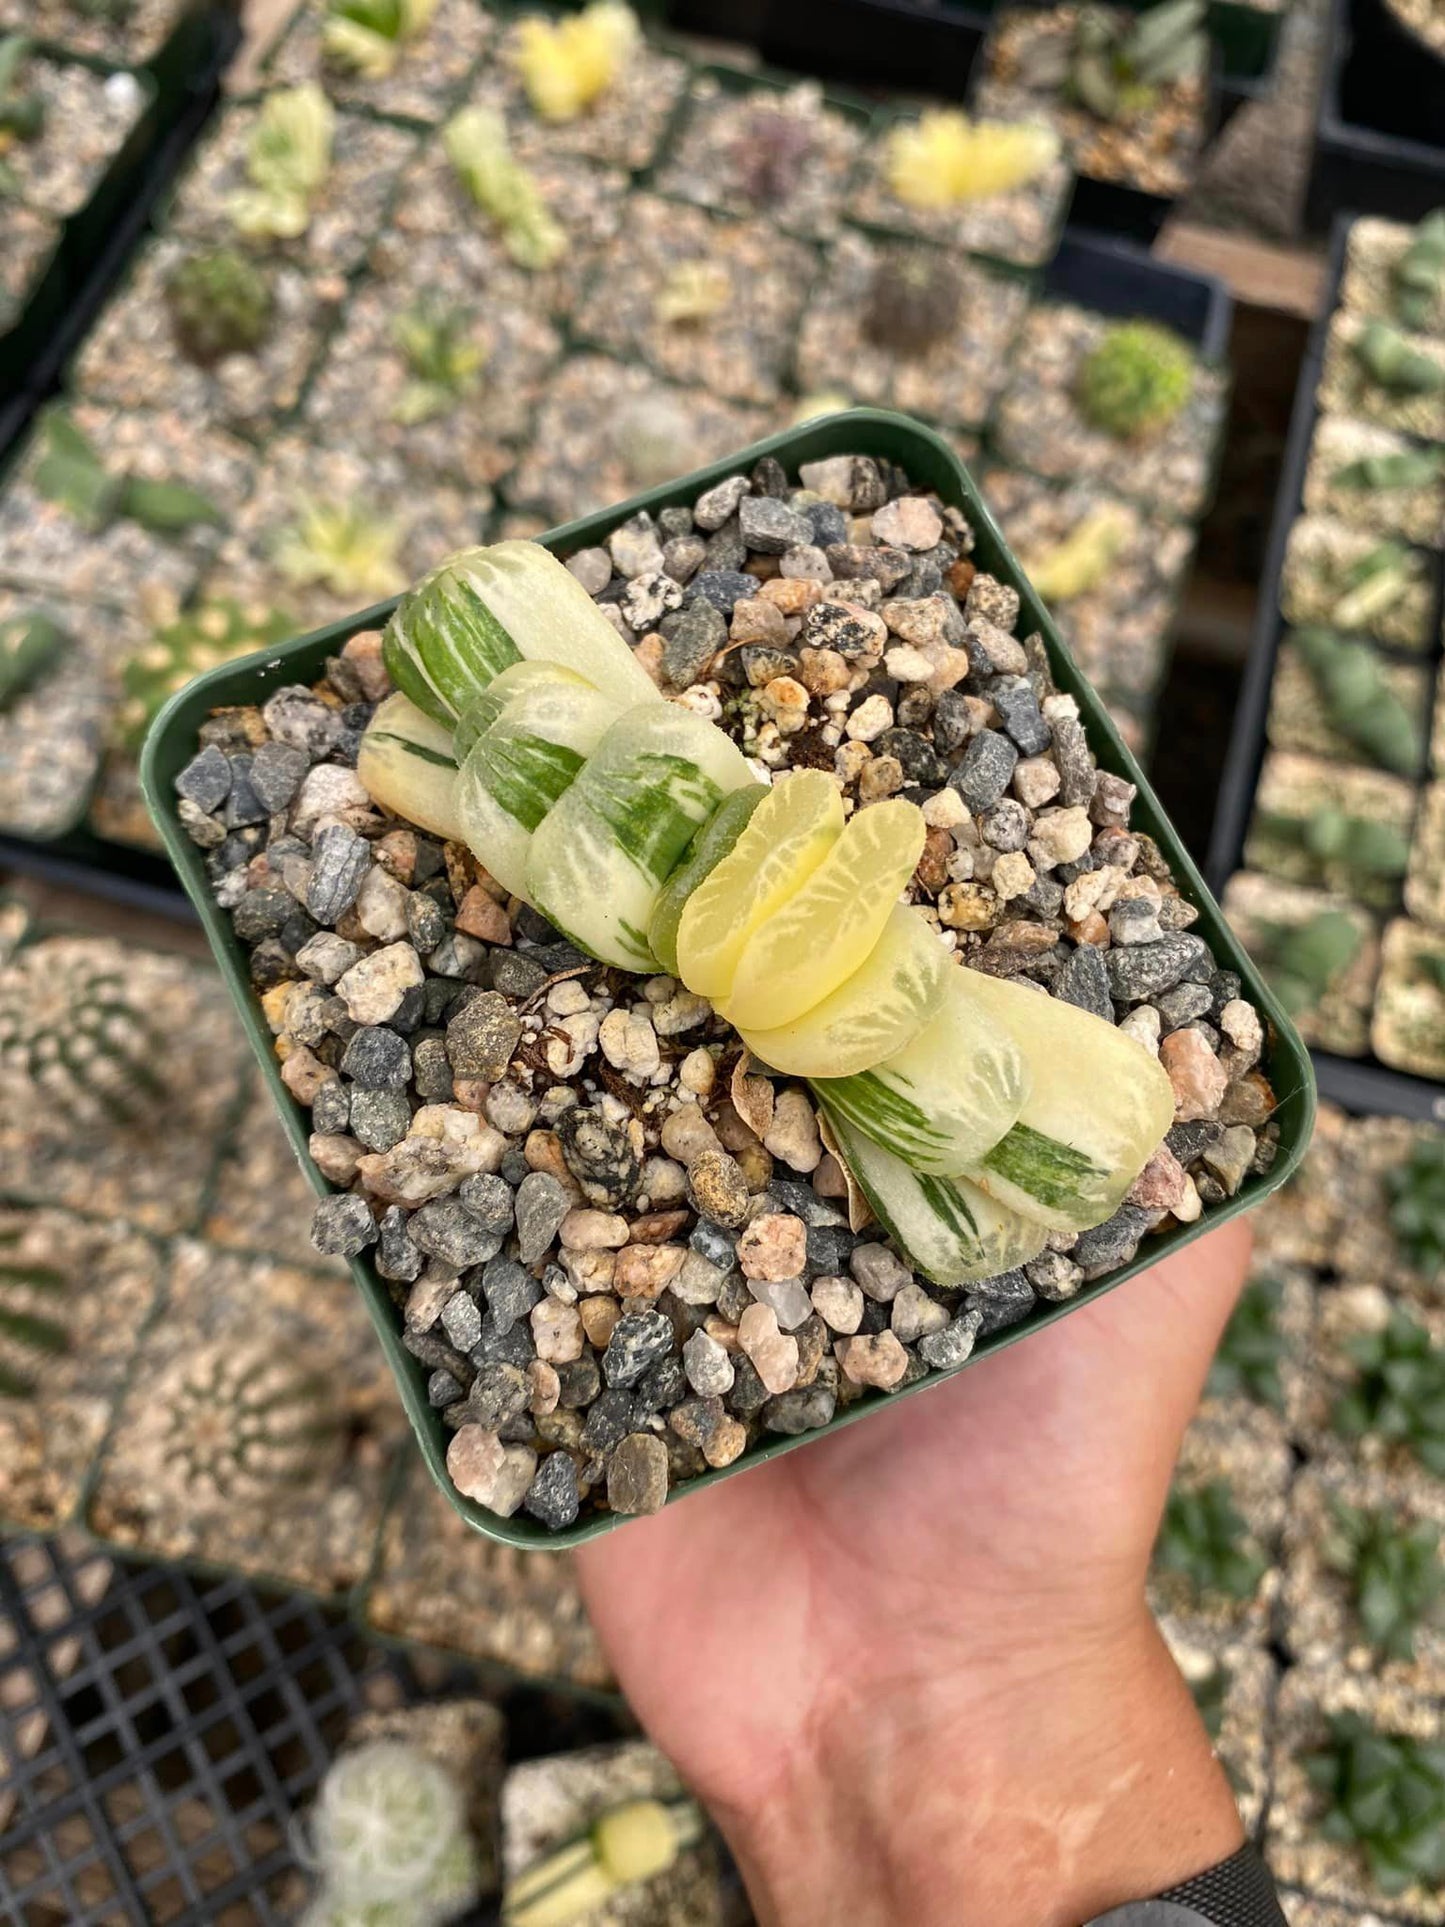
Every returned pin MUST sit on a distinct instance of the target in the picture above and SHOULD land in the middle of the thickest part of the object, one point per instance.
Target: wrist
(1048, 1786)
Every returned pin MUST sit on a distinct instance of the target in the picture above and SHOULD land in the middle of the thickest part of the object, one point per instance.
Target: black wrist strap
(1236, 1893)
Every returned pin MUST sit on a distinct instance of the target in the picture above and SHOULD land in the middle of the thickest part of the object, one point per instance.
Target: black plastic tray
(1359, 1084)
(1116, 277)
(917, 44)
(1364, 159)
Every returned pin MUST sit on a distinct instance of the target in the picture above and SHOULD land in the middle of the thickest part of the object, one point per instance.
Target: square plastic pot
(929, 462)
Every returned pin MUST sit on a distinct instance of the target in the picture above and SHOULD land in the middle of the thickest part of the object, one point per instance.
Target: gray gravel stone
(609, 1419)
(276, 773)
(1112, 1243)
(339, 863)
(342, 1226)
(431, 1067)
(1183, 1004)
(690, 641)
(331, 1113)
(722, 588)
(445, 1229)
(516, 975)
(982, 773)
(1084, 982)
(1014, 699)
(999, 1301)
(945, 1351)
(804, 1409)
(482, 1037)
(770, 527)
(443, 1389)
(638, 1341)
(719, 503)
(1142, 970)
(1054, 1276)
(1076, 767)
(206, 779)
(599, 1155)
(379, 1119)
(510, 1291)
(542, 1204)
(499, 1394)
(489, 1200)
(243, 806)
(461, 1320)
(398, 1258)
(552, 1496)
(299, 718)
(637, 1474)
(1134, 920)
(377, 1059)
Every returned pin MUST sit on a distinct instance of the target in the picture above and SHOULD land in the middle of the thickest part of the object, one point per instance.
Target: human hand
(910, 1669)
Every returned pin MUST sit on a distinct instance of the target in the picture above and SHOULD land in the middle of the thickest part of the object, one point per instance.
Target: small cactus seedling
(1136, 380)
(1359, 702)
(1303, 960)
(1419, 275)
(288, 163)
(444, 359)
(22, 114)
(1248, 1360)
(693, 293)
(1082, 561)
(345, 547)
(389, 1841)
(1354, 843)
(73, 1032)
(1395, 1575)
(182, 649)
(1388, 358)
(567, 65)
(1121, 63)
(1399, 1391)
(476, 145)
(71, 474)
(29, 1339)
(1206, 1543)
(221, 302)
(30, 646)
(1384, 1793)
(366, 37)
(1371, 586)
(769, 153)
(1416, 1193)
(944, 159)
(1404, 468)
(242, 1419)
(624, 1846)
(915, 301)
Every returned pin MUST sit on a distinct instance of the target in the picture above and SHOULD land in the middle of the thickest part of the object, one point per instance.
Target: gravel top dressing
(624, 1254)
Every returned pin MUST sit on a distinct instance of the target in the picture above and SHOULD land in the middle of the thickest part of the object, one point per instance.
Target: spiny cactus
(22, 114)
(624, 1846)
(29, 1339)
(1248, 1360)
(74, 1034)
(1388, 358)
(389, 1840)
(180, 650)
(71, 473)
(1136, 380)
(288, 162)
(1371, 586)
(366, 36)
(693, 292)
(1120, 63)
(1303, 960)
(915, 301)
(944, 159)
(346, 547)
(1355, 843)
(1396, 1579)
(244, 1418)
(567, 65)
(1403, 468)
(1384, 1793)
(221, 302)
(1399, 1390)
(1082, 561)
(444, 359)
(1419, 274)
(1416, 1193)
(1206, 1543)
(477, 146)
(30, 646)
(1359, 702)
(769, 152)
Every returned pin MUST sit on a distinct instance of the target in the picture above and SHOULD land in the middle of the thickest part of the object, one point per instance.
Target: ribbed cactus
(30, 646)
(1359, 702)
(1384, 1794)
(1205, 1543)
(443, 358)
(201, 638)
(244, 1417)
(1398, 1394)
(389, 1842)
(1390, 359)
(22, 113)
(71, 474)
(221, 302)
(366, 37)
(1248, 1360)
(1416, 1192)
(1303, 960)
(76, 1037)
(1136, 380)
(288, 163)
(30, 1339)
(1395, 1575)
(1120, 61)
(477, 146)
(1419, 276)
(915, 301)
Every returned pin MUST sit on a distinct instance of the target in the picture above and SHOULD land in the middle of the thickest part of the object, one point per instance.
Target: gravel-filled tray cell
(1366, 584)
(145, 1036)
(1373, 255)
(1234, 1685)
(1380, 1157)
(1344, 830)
(1299, 1224)
(1156, 149)
(1425, 884)
(1255, 1377)
(1407, 1031)
(108, 554)
(1421, 18)
(427, 72)
(27, 241)
(1041, 423)
(260, 1200)
(1019, 224)
(435, 364)
(74, 1296)
(782, 154)
(259, 1428)
(1315, 708)
(1376, 480)
(603, 431)
(130, 34)
(1378, 373)
(1320, 1414)
(249, 373)
(1320, 950)
(703, 300)
(438, 1584)
(908, 327)
(84, 119)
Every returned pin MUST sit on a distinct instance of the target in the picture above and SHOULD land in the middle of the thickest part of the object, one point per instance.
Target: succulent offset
(477, 146)
(915, 301)
(1384, 1794)
(367, 37)
(30, 646)
(1083, 559)
(288, 162)
(1120, 62)
(71, 474)
(348, 547)
(944, 159)
(567, 65)
(1358, 700)
(1304, 960)
(1395, 1575)
(22, 114)
(221, 302)
(1398, 1394)
(1389, 358)
(1416, 1192)
(444, 360)
(1419, 274)
(1206, 1544)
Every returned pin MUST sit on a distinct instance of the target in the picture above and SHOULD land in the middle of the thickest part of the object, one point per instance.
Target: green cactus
(1396, 1579)
(71, 474)
(1134, 383)
(203, 637)
(244, 1417)
(1419, 274)
(221, 302)
(1355, 843)
(1384, 1793)
(915, 301)
(346, 547)
(1120, 62)
(22, 115)
(477, 146)
(1399, 1391)
(389, 1841)
(30, 646)
(73, 1033)
(1371, 586)
(288, 162)
(443, 358)
(1359, 702)
(1389, 360)
(1206, 1544)
(1248, 1360)
(1403, 468)
(29, 1339)
(1416, 1193)
(366, 37)
(1303, 960)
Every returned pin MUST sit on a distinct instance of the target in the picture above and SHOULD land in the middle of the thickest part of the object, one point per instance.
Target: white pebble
(869, 720)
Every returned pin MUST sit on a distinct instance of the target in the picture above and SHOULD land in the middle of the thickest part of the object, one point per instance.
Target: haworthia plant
(71, 474)
(1419, 274)
(348, 547)
(1394, 1571)
(477, 146)
(1120, 62)
(288, 163)
(1362, 844)
(1205, 1543)
(1304, 960)
(1084, 558)
(622, 1848)
(1373, 585)
(1401, 468)
(1359, 702)
(1415, 1188)
(22, 112)
(567, 65)
(30, 646)
(367, 36)
(444, 359)
(1392, 361)
(1398, 1394)
(1384, 1794)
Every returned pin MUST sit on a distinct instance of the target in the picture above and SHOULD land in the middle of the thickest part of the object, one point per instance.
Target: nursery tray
(1115, 277)
(929, 462)
(1364, 159)
(924, 45)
